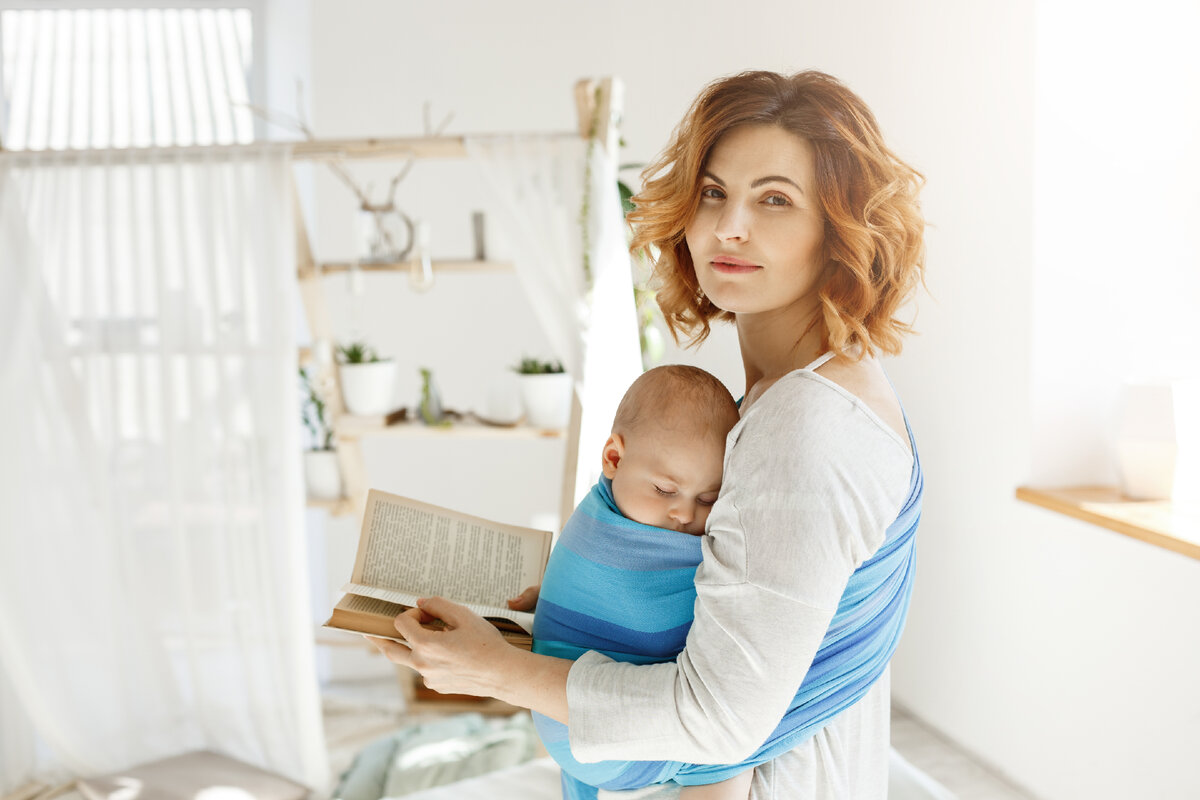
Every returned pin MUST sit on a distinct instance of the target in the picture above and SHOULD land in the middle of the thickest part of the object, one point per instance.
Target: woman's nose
(732, 224)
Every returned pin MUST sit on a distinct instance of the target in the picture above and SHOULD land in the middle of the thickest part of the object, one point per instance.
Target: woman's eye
(712, 192)
(777, 200)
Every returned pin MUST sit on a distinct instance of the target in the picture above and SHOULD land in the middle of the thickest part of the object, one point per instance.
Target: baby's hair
(675, 395)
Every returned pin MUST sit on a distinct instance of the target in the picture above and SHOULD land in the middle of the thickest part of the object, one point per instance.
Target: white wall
(1062, 651)
(1057, 650)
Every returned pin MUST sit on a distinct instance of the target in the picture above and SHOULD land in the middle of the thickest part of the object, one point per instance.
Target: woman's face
(757, 237)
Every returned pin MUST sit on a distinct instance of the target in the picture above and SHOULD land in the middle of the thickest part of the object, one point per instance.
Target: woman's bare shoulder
(866, 380)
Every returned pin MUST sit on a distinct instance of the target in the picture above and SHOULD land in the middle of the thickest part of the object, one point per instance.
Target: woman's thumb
(441, 608)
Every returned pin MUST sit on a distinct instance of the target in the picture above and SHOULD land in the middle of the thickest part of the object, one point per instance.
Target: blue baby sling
(627, 590)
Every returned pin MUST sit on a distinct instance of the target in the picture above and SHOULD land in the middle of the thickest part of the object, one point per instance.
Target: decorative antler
(299, 124)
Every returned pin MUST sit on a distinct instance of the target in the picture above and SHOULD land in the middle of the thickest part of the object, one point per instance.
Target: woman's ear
(614, 450)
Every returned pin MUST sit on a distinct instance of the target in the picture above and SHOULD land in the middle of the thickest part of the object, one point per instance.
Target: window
(1116, 284)
(94, 77)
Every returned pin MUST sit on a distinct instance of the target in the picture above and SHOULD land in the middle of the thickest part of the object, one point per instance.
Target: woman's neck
(772, 346)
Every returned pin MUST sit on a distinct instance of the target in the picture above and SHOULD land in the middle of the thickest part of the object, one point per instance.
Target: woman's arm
(471, 657)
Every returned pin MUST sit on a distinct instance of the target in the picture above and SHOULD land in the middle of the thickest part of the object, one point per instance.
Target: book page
(393, 596)
(419, 550)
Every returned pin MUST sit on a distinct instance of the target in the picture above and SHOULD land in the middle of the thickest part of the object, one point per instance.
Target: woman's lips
(732, 265)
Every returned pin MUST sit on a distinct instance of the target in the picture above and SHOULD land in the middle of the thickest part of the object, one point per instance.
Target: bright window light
(125, 77)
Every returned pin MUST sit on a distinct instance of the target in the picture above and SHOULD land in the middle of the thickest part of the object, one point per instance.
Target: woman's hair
(874, 246)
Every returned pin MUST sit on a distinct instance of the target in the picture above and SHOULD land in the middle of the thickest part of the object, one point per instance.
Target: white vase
(1156, 439)
(369, 389)
(547, 399)
(322, 477)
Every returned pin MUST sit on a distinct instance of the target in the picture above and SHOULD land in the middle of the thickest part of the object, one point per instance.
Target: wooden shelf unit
(596, 101)
(1156, 522)
(597, 104)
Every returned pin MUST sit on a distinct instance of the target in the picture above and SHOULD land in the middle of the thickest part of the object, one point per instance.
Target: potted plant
(368, 381)
(321, 474)
(545, 392)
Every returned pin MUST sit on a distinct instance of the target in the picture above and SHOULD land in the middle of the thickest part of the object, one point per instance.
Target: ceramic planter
(369, 388)
(322, 477)
(547, 399)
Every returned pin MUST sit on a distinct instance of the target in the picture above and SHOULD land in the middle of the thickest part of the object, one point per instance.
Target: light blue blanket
(627, 590)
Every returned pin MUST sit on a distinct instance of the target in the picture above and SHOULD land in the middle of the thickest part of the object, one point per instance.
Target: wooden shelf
(337, 507)
(1156, 522)
(439, 265)
(350, 427)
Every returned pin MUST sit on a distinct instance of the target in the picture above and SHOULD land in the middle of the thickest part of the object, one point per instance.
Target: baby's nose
(683, 512)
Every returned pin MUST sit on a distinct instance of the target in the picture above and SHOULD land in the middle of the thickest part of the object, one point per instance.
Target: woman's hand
(468, 656)
(526, 600)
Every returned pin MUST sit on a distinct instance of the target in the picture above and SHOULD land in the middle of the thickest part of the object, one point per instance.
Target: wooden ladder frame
(598, 103)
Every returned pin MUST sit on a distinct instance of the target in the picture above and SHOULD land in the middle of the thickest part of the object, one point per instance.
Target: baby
(665, 455)
(662, 467)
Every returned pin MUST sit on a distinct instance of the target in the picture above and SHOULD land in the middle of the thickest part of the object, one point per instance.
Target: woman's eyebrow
(776, 178)
(759, 182)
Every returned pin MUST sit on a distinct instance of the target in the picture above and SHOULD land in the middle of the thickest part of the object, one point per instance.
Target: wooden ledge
(439, 265)
(1155, 522)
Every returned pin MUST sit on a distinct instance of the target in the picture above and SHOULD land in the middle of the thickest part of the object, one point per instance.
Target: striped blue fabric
(627, 590)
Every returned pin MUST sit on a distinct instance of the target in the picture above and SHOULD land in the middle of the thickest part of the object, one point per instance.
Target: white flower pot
(369, 389)
(322, 477)
(1158, 440)
(547, 399)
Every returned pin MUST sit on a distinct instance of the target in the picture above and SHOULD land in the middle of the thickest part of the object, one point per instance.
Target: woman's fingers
(394, 651)
(451, 646)
(408, 624)
(526, 600)
(449, 612)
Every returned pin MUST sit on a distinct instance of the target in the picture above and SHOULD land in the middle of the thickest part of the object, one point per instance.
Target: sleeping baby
(620, 578)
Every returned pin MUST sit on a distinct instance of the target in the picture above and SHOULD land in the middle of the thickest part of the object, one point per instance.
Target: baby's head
(665, 454)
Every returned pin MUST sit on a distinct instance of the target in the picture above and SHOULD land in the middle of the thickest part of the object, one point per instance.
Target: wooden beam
(585, 105)
(598, 107)
(393, 147)
(398, 147)
(566, 503)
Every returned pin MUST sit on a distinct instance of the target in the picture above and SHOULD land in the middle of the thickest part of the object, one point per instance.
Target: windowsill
(1155, 522)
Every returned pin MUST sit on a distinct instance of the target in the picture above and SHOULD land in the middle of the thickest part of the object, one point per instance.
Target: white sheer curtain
(153, 589)
(538, 188)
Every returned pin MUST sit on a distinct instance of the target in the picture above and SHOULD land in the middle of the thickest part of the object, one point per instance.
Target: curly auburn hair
(874, 230)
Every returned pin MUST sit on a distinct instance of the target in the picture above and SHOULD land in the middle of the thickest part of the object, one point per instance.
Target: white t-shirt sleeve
(812, 480)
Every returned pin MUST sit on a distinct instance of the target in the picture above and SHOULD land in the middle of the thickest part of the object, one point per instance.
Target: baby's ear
(614, 450)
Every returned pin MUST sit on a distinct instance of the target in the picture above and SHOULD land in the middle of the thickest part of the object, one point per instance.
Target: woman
(778, 207)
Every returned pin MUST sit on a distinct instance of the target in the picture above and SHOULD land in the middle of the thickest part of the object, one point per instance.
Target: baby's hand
(526, 600)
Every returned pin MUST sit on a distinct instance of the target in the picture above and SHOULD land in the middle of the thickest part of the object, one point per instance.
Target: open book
(408, 550)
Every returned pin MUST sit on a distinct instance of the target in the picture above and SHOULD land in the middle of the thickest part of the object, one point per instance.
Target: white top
(812, 480)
